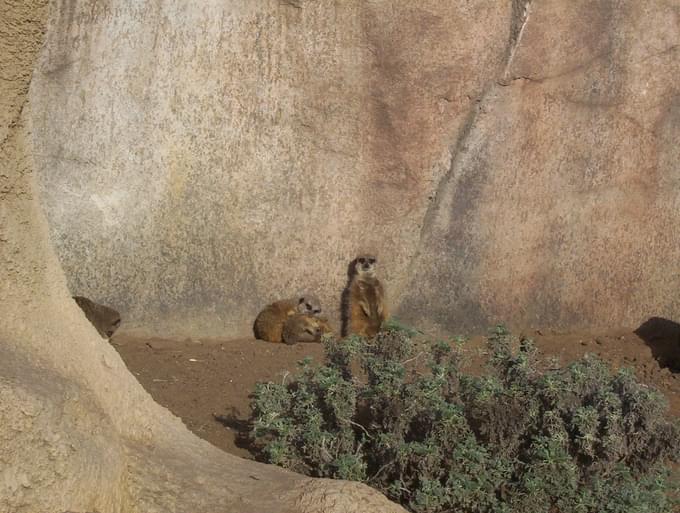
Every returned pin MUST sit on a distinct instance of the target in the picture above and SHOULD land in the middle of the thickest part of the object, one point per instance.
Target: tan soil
(207, 382)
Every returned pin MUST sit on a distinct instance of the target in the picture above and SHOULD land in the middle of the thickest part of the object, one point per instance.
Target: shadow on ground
(240, 427)
(663, 338)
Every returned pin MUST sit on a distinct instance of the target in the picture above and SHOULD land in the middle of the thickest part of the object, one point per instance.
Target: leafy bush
(560, 440)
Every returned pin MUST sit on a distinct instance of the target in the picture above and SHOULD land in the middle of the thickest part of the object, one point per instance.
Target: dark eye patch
(318, 310)
(371, 260)
(361, 260)
(309, 307)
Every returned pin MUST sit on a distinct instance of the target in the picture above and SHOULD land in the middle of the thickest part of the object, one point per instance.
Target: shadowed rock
(663, 338)
(105, 320)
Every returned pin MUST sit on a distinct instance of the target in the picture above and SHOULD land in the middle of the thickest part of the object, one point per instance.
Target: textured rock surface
(561, 204)
(508, 160)
(202, 159)
(77, 431)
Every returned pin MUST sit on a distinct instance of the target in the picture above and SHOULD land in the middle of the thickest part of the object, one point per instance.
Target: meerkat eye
(318, 310)
(302, 300)
(309, 307)
(371, 260)
(361, 260)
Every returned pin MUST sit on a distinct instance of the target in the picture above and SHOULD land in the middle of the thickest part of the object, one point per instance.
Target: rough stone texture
(77, 432)
(509, 161)
(561, 204)
(201, 159)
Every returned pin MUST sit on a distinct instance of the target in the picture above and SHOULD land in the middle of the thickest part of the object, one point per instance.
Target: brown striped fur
(365, 305)
(271, 320)
(305, 328)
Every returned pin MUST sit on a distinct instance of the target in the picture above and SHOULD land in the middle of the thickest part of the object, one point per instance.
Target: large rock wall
(77, 431)
(507, 160)
(561, 206)
(200, 159)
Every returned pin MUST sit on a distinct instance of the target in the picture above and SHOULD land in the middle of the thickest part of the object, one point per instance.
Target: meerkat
(105, 320)
(325, 326)
(364, 304)
(270, 321)
(305, 328)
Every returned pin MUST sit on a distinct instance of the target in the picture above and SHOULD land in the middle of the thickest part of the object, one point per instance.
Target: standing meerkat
(270, 321)
(364, 303)
(301, 327)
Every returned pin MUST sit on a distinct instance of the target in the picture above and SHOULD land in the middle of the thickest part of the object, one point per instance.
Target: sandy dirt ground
(207, 382)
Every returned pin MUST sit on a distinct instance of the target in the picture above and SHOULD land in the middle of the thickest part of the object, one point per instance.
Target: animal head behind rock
(106, 320)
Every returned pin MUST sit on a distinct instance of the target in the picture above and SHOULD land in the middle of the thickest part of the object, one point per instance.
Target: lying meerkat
(365, 306)
(105, 320)
(305, 328)
(270, 321)
(325, 326)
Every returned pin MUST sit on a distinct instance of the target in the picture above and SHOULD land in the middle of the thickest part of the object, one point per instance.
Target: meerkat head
(309, 304)
(312, 326)
(324, 326)
(113, 327)
(364, 266)
(106, 320)
(319, 326)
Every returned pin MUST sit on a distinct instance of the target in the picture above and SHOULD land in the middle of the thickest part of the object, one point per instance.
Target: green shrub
(576, 439)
